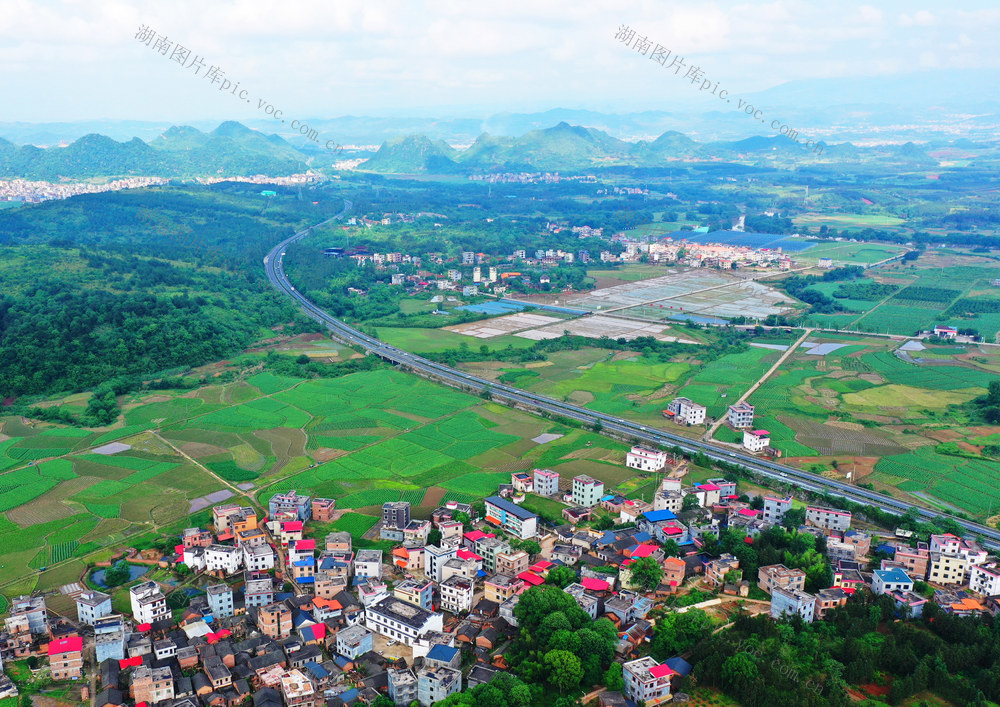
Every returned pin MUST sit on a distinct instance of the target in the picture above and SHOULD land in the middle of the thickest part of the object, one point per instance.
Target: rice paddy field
(887, 417)
(68, 494)
(954, 294)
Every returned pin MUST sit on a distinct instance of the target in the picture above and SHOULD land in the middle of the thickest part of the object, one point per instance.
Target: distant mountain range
(567, 147)
(231, 149)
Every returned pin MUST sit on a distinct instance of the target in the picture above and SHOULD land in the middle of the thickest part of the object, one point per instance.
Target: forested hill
(231, 149)
(134, 283)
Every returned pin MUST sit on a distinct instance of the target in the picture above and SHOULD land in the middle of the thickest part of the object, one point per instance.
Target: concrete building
(27, 615)
(645, 459)
(546, 482)
(92, 605)
(226, 559)
(435, 684)
(354, 641)
(985, 579)
(417, 592)
(891, 581)
(435, 558)
(401, 621)
(322, 509)
(756, 440)
(402, 687)
(772, 576)
(220, 600)
(587, 491)
(457, 593)
(148, 603)
(946, 569)
(512, 518)
(66, 658)
(152, 685)
(258, 592)
(785, 602)
(686, 411)
(368, 563)
(297, 689)
(828, 518)
(275, 620)
(258, 558)
(647, 681)
(500, 587)
(827, 600)
(396, 514)
(775, 508)
(290, 502)
(740, 415)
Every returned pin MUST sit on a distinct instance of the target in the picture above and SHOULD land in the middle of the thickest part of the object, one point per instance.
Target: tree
(690, 502)
(561, 576)
(740, 670)
(646, 573)
(565, 671)
(671, 548)
(613, 678)
(182, 569)
(434, 537)
(117, 574)
(465, 520)
(383, 701)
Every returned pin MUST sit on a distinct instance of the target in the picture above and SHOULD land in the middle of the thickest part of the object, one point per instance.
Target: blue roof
(512, 508)
(349, 695)
(679, 665)
(208, 618)
(308, 562)
(442, 653)
(481, 573)
(656, 516)
(316, 669)
(891, 549)
(642, 537)
(608, 497)
(309, 633)
(893, 575)
(341, 660)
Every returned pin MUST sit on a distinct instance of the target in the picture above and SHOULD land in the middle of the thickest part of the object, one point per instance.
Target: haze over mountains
(232, 149)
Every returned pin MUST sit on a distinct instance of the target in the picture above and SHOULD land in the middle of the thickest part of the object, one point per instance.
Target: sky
(67, 60)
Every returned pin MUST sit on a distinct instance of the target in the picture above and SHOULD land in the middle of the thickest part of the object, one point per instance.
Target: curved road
(514, 396)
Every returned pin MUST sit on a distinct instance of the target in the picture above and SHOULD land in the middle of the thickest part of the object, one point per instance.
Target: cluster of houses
(309, 622)
(685, 411)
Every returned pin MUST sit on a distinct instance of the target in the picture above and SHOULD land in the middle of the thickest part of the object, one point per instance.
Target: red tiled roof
(179, 549)
(130, 663)
(531, 578)
(291, 526)
(225, 536)
(66, 645)
(467, 555)
(747, 512)
(710, 487)
(661, 671)
(491, 519)
(305, 545)
(142, 628)
(475, 535)
(595, 585)
(541, 566)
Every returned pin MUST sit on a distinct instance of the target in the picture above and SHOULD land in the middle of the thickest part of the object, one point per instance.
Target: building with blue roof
(441, 656)
(891, 580)
(657, 516)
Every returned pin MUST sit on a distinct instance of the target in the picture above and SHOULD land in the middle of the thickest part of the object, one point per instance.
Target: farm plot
(968, 483)
(895, 370)
(499, 326)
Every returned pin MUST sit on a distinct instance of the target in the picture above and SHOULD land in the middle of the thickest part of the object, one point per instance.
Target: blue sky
(78, 59)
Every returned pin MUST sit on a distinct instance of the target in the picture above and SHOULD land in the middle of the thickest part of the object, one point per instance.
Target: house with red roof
(647, 681)
(290, 530)
(66, 658)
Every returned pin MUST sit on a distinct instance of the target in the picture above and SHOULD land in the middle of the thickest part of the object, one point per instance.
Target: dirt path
(760, 381)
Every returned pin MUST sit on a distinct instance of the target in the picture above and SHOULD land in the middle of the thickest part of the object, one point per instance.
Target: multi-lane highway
(648, 435)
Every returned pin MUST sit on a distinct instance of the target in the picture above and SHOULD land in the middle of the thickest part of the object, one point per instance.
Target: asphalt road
(647, 435)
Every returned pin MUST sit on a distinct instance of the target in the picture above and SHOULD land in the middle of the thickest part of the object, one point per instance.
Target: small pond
(134, 572)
